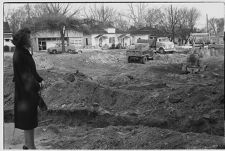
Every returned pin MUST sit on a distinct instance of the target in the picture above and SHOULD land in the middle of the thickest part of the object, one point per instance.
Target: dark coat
(27, 86)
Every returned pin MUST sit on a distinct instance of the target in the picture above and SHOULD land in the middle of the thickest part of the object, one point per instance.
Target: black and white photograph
(113, 75)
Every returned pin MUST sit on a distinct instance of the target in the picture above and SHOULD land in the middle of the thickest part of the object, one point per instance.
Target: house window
(42, 44)
(86, 41)
(111, 39)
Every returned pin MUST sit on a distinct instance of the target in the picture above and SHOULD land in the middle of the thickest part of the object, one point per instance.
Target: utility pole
(224, 27)
(207, 25)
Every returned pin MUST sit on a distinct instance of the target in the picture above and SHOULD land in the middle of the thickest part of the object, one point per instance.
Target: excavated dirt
(97, 100)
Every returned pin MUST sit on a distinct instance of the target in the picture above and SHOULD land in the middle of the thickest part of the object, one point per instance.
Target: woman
(27, 85)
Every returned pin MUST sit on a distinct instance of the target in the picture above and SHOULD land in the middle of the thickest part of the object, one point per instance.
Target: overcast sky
(212, 9)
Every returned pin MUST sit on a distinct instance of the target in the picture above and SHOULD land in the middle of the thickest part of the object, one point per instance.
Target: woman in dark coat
(27, 85)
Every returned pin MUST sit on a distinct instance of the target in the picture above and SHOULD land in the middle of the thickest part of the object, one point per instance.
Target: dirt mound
(130, 137)
(206, 53)
(70, 95)
(170, 58)
(196, 108)
(42, 62)
(104, 96)
(117, 80)
(107, 58)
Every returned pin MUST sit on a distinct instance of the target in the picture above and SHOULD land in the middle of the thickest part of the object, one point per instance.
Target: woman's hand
(42, 84)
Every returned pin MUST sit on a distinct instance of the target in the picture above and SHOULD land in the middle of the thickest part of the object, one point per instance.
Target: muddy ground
(97, 100)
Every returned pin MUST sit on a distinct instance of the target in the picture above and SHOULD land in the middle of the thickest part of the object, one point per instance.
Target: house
(218, 39)
(43, 38)
(101, 35)
(125, 40)
(144, 33)
(7, 35)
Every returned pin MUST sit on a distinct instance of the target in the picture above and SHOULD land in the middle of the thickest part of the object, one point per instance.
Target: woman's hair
(21, 38)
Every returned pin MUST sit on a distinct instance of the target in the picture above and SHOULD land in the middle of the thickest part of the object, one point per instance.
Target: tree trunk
(62, 40)
(173, 34)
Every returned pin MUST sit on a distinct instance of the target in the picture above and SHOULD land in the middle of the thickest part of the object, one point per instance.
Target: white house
(144, 33)
(125, 40)
(7, 35)
(102, 35)
(44, 39)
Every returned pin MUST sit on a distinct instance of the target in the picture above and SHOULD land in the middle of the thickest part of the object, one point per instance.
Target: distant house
(101, 35)
(43, 39)
(199, 38)
(144, 33)
(7, 35)
(125, 40)
(218, 39)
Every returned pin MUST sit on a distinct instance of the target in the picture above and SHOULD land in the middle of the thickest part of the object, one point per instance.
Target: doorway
(86, 41)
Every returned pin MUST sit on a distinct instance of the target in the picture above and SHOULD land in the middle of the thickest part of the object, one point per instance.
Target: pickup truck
(161, 44)
(140, 52)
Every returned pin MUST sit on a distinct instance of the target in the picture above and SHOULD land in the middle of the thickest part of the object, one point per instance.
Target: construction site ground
(97, 100)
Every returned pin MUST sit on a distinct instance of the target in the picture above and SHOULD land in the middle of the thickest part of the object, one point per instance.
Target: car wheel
(161, 50)
(129, 60)
(143, 60)
(69, 51)
(6, 48)
(54, 51)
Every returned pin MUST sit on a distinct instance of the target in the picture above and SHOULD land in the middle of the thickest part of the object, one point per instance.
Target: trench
(98, 120)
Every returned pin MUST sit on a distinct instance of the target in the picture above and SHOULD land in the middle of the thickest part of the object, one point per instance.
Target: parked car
(216, 46)
(58, 49)
(8, 46)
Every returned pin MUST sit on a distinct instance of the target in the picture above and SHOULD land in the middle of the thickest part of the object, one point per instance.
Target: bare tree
(100, 13)
(53, 9)
(171, 20)
(137, 14)
(121, 23)
(154, 17)
(57, 17)
(7, 12)
(183, 29)
(216, 25)
(193, 16)
(17, 19)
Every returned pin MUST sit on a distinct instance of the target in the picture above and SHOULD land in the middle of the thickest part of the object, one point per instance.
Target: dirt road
(97, 100)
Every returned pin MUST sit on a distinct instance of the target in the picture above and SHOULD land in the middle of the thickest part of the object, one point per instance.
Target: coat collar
(24, 50)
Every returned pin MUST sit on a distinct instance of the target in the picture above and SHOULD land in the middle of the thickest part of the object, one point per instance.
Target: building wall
(107, 40)
(127, 41)
(76, 41)
(110, 30)
(94, 41)
(74, 38)
(87, 41)
(135, 37)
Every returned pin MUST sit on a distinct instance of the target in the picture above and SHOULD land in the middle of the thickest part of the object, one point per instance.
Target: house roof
(97, 29)
(6, 28)
(124, 36)
(148, 31)
(101, 35)
(118, 31)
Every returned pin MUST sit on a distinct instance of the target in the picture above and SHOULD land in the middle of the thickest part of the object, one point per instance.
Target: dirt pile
(104, 97)
(43, 63)
(107, 58)
(129, 137)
